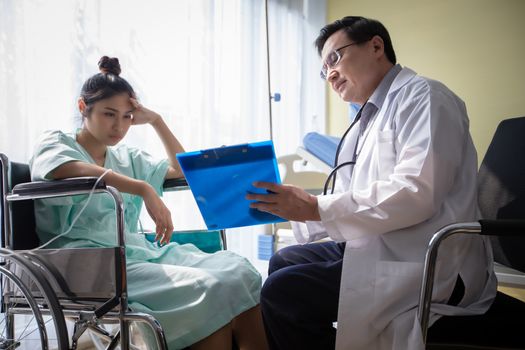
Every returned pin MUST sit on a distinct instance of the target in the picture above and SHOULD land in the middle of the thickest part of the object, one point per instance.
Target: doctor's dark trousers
(299, 299)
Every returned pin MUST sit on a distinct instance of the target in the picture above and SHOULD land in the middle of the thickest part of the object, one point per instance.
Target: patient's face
(110, 119)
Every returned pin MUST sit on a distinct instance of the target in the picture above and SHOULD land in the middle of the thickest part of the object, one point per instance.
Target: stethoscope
(333, 173)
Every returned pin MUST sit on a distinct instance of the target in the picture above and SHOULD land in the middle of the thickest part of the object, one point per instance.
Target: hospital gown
(191, 293)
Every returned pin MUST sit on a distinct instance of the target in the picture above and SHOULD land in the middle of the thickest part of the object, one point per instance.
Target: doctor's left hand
(286, 201)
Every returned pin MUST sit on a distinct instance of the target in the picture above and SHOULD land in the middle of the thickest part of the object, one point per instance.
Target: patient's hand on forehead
(141, 114)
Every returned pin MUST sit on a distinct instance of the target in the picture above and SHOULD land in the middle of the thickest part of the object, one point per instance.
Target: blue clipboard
(220, 178)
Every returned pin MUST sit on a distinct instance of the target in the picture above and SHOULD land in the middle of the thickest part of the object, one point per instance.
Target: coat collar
(402, 79)
(381, 91)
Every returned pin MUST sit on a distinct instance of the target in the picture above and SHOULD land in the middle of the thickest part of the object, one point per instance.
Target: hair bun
(109, 65)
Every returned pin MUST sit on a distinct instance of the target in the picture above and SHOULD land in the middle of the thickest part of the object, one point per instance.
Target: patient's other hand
(160, 214)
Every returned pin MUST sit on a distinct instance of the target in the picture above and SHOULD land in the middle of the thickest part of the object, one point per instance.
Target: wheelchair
(42, 288)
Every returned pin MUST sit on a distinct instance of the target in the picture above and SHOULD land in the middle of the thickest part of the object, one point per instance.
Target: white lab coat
(415, 173)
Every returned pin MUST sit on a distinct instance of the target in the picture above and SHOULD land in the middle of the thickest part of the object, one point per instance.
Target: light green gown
(191, 293)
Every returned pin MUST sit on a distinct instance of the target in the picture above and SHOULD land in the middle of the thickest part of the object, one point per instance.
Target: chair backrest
(501, 188)
(23, 215)
(3, 190)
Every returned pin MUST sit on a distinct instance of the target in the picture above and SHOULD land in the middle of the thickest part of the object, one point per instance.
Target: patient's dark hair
(105, 84)
(359, 30)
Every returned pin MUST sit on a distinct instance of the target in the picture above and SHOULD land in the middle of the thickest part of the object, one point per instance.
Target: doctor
(414, 172)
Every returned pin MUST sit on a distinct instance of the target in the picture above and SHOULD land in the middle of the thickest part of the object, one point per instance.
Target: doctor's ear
(378, 43)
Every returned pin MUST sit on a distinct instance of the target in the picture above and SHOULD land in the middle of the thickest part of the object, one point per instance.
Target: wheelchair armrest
(65, 186)
(500, 227)
(175, 184)
(71, 187)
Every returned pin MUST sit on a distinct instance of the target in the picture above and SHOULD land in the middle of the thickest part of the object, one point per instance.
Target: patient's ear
(82, 106)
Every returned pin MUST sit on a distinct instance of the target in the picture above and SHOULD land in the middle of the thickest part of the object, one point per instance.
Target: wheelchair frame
(55, 297)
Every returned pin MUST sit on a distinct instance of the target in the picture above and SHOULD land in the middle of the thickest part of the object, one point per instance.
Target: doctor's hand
(142, 115)
(286, 201)
(160, 214)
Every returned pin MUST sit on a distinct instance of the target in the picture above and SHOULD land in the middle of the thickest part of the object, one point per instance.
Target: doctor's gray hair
(358, 29)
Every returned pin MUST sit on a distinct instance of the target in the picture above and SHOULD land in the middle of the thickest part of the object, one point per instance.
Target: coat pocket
(386, 153)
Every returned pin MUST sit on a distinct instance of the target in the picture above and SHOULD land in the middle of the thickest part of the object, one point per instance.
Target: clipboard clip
(223, 151)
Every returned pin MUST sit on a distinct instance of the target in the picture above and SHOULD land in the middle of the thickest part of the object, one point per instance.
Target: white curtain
(200, 63)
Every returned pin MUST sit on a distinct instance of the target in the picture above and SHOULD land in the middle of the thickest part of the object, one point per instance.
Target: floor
(514, 291)
(32, 341)
(86, 342)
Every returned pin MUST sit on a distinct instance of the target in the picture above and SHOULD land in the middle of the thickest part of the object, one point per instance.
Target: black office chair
(501, 189)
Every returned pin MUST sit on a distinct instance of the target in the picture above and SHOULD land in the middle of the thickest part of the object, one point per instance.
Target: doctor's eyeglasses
(334, 57)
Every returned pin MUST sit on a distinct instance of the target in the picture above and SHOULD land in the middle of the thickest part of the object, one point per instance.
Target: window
(200, 63)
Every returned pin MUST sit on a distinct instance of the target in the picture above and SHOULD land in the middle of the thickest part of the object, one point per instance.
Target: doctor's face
(109, 119)
(352, 77)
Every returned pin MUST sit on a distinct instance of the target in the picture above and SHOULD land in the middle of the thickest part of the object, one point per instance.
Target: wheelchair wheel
(31, 317)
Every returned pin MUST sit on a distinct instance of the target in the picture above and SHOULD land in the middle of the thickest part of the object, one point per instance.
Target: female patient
(201, 300)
